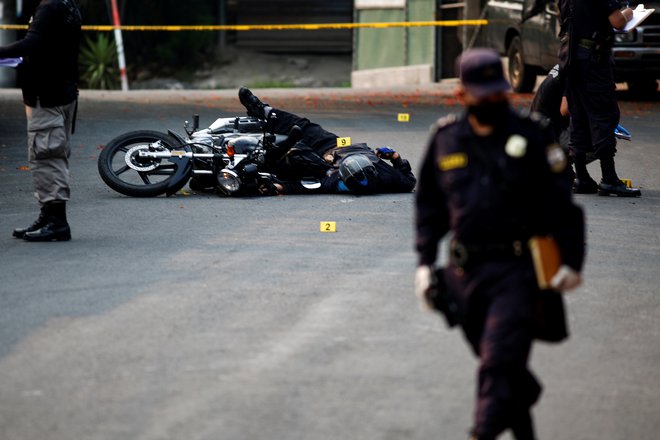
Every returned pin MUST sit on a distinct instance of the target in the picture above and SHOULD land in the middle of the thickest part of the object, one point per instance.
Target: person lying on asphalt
(313, 153)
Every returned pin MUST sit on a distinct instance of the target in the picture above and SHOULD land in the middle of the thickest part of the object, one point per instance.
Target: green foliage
(98, 60)
(168, 51)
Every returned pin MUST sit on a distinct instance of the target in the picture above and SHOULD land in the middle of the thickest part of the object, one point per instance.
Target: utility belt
(600, 49)
(465, 255)
(594, 45)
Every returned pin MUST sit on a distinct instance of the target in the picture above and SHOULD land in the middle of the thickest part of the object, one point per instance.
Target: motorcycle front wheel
(123, 170)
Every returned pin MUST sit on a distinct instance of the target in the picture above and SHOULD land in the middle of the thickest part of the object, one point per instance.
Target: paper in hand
(640, 13)
(10, 62)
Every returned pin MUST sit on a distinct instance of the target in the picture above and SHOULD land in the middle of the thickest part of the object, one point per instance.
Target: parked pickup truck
(531, 45)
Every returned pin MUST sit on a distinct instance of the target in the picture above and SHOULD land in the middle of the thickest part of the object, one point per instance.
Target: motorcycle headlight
(228, 181)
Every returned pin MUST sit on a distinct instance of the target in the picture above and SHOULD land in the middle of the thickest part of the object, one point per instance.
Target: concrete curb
(441, 93)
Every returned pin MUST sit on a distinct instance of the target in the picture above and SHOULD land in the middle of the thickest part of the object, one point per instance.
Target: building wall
(397, 55)
(295, 12)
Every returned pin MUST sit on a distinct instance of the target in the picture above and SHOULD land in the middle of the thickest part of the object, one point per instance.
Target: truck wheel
(643, 86)
(521, 75)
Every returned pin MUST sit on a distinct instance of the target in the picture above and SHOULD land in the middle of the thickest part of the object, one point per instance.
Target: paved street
(202, 318)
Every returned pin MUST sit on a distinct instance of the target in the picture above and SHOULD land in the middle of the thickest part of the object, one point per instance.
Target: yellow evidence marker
(628, 182)
(403, 117)
(343, 142)
(328, 226)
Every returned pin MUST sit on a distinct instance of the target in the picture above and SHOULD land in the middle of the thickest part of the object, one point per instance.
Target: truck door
(540, 27)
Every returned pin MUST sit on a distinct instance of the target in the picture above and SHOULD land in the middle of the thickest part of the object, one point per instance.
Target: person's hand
(423, 279)
(271, 189)
(565, 279)
(627, 13)
(386, 153)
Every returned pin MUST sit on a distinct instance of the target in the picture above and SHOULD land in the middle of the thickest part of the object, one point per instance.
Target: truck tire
(521, 75)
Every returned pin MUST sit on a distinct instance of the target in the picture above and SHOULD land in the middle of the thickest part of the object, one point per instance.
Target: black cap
(481, 73)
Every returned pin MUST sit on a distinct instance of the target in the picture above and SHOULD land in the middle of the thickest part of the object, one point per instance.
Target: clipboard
(10, 62)
(546, 258)
(639, 15)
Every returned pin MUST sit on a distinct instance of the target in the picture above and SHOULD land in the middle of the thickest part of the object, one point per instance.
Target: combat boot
(56, 227)
(38, 223)
(583, 183)
(585, 186)
(611, 184)
(617, 188)
(252, 104)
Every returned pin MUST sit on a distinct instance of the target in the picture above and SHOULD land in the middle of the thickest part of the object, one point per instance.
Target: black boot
(583, 183)
(39, 222)
(252, 104)
(56, 227)
(275, 153)
(611, 184)
(617, 189)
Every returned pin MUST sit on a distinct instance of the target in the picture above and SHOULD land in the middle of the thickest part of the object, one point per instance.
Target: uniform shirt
(496, 189)
(589, 16)
(49, 72)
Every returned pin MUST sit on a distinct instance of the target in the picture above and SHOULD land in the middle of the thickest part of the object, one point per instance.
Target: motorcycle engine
(244, 144)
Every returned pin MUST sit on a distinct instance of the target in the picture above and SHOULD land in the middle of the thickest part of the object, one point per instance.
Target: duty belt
(462, 255)
(593, 45)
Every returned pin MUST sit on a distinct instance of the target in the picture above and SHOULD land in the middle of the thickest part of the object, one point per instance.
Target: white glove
(423, 276)
(565, 279)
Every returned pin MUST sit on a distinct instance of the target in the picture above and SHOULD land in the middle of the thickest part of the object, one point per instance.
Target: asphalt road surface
(199, 317)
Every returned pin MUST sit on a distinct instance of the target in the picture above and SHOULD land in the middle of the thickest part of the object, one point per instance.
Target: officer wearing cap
(490, 180)
(586, 63)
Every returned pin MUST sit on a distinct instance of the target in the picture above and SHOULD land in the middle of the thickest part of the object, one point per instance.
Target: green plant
(98, 60)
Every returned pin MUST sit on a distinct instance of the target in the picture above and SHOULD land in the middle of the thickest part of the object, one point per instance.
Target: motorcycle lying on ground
(229, 155)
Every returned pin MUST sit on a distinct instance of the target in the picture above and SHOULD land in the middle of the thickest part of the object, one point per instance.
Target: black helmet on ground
(358, 173)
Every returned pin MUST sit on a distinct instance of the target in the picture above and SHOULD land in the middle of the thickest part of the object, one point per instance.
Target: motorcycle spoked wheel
(122, 170)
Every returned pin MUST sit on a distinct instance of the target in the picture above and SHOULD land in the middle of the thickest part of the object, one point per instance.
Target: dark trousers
(590, 91)
(315, 136)
(497, 301)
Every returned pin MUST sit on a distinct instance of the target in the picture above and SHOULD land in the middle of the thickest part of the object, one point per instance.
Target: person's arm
(431, 215)
(402, 179)
(34, 38)
(567, 218)
(619, 18)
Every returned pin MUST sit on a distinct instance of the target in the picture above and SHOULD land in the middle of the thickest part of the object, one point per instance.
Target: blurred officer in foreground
(48, 77)
(586, 63)
(493, 178)
(314, 152)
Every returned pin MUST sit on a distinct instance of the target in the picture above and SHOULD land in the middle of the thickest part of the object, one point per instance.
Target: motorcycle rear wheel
(122, 170)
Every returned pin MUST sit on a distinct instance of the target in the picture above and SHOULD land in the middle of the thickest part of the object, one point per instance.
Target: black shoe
(617, 188)
(253, 104)
(56, 227)
(50, 232)
(39, 223)
(585, 186)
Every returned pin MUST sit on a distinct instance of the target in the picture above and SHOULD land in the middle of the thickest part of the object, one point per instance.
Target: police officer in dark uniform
(493, 178)
(353, 168)
(48, 77)
(586, 62)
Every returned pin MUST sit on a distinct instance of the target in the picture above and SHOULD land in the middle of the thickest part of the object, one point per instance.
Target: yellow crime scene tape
(269, 27)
